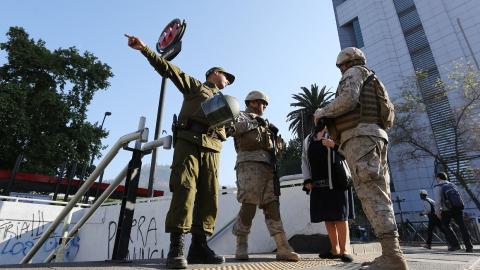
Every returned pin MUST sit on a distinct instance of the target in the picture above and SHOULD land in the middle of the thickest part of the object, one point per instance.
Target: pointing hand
(135, 42)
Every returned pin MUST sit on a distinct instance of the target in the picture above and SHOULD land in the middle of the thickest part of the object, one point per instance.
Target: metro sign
(169, 43)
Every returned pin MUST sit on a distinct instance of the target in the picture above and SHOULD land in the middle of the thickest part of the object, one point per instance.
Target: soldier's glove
(261, 121)
(273, 129)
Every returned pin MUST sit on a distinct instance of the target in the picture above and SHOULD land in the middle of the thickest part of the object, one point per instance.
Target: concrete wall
(22, 224)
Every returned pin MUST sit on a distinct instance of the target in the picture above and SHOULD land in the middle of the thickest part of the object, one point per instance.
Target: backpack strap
(369, 79)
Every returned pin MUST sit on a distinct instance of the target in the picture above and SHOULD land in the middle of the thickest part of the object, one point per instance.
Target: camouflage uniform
(255, 180)
(365, 148)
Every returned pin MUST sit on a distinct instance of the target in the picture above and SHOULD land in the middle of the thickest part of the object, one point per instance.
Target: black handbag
(344, 175)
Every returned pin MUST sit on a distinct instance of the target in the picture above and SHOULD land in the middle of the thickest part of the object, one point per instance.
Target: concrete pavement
(438, 258)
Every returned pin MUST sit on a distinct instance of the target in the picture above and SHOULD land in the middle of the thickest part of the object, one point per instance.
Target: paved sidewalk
(418, 259)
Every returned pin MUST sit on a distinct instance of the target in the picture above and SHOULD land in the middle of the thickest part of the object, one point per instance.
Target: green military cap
(230, 77)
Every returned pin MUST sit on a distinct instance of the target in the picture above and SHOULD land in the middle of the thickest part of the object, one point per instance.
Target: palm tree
(308, 101)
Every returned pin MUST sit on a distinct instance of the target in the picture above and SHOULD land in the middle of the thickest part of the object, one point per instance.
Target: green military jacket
(194, 93)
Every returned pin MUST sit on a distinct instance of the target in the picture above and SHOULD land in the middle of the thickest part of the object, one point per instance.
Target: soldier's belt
(188, 124)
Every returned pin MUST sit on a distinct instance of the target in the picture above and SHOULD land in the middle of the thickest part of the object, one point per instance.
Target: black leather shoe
(346, 258)
(200, 252)
(176, 258)
(469, 250)
(454, 248)
(329, 255)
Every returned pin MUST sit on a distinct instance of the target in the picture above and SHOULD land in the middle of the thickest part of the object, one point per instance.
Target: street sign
(170, 41)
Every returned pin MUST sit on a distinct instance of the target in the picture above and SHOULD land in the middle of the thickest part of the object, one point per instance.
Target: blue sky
(272, 46)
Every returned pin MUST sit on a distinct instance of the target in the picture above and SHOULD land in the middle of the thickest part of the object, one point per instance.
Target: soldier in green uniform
(194, 176)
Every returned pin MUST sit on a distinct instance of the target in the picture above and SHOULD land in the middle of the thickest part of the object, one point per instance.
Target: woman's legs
(342, 228)
(332, 234)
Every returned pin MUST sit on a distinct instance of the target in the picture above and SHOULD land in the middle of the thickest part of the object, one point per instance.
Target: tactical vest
(191, 108)
(366, 111)
(256, 139)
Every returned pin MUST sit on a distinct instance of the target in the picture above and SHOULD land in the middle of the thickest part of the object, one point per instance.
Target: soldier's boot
(284, 250)
(372, 262)
(200, 252)
(392, 259)
(242, 247)
(376, 259)
(176, 258)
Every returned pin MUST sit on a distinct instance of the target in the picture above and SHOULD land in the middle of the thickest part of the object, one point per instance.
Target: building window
(358, 33)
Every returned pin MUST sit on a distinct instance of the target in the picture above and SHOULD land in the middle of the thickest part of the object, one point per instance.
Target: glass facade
(438, 106)
(358, 33)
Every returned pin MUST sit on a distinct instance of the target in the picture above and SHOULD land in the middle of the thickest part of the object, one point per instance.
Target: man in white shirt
(433, 220)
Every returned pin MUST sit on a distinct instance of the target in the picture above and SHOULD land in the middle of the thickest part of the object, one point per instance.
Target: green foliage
(292, 152)
(308, 101)
(43, 103)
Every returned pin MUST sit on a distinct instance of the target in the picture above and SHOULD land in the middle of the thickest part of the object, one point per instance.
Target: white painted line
(474, 266)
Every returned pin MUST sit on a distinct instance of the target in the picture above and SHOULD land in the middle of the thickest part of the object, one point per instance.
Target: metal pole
(468, 43)
(402, 220)
(125, 219)
(61, 248)
(72, 174)
(14, 173)
(158, 128)
(60, 177)
(99, 186)
(82, 175)
(98, 140)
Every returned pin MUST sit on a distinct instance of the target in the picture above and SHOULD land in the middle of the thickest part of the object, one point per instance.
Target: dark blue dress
(327, 204)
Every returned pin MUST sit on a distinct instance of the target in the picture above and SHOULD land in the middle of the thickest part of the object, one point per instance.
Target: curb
(367, 248)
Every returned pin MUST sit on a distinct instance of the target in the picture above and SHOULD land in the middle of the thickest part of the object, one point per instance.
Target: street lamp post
(98, 140)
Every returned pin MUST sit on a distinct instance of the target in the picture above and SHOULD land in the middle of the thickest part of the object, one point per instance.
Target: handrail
(165, 141)
(141, 135)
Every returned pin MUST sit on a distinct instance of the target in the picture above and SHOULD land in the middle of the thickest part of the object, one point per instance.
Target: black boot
(176, 258)
(199, 252)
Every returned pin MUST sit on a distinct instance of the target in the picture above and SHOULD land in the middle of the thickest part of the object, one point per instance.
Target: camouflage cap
(230, 77)
(349, 54)
(257, 95)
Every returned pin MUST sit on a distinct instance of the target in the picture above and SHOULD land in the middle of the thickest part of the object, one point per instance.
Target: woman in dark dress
(329, 201)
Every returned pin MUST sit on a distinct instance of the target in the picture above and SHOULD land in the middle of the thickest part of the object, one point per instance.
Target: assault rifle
(276, 179)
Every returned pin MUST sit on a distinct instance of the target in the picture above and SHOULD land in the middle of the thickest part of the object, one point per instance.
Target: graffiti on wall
(143, 238)
(18, 237)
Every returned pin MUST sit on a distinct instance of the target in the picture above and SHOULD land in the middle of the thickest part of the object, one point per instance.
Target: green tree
(452, 141)
(43, 103)
(308, 102)
(292, 153)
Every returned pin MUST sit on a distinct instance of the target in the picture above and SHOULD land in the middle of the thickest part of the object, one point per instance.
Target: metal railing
(413, 232)
(166, 142)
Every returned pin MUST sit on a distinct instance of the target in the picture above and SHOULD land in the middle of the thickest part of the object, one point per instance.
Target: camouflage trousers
(255, 187)
(367, 158)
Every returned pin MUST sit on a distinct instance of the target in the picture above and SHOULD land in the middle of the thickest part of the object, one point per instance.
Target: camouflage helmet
(423, 192)
(256, 95)
(349, 54)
